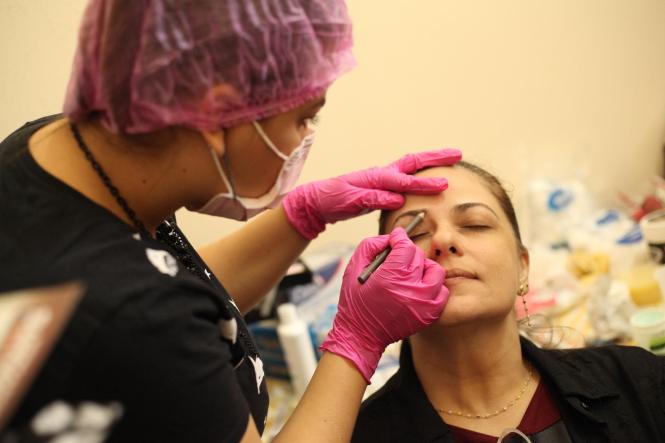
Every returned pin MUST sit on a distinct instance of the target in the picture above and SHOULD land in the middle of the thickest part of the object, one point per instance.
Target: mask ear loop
(269, 142)
(228, 182)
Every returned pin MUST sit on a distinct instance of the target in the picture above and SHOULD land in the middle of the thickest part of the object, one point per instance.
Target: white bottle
(297, 346)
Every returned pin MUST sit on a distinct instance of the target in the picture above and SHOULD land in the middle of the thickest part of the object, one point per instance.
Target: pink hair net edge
(256, 112)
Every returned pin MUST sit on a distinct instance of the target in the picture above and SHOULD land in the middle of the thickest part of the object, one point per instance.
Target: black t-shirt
(168, 346)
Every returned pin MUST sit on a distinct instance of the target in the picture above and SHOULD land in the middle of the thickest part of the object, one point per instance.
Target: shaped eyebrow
(466, 206)
(412, 212)
(318, 103)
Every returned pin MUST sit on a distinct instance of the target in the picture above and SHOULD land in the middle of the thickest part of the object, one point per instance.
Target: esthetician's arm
(252, 260)
(327, 411)
(404, 295)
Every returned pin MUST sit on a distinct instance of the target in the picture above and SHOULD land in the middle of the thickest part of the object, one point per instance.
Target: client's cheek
(427, 247)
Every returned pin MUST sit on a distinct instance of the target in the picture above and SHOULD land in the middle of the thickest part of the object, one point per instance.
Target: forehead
(460, 180)
(464, 186)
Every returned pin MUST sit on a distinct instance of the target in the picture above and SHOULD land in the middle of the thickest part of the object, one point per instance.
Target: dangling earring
(523, 290)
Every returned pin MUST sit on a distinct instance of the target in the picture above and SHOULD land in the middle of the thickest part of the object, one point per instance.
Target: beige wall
(524, 87)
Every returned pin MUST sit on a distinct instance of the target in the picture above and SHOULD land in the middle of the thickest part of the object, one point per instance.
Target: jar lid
(647, 318)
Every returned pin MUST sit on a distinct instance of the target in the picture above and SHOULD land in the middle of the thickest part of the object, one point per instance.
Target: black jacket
(604, 394)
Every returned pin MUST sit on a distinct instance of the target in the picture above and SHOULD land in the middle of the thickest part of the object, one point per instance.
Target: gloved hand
(402, 296)
(310, 206)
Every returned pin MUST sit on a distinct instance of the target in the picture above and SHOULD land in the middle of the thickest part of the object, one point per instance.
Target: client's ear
(524, 262)
(215, 140)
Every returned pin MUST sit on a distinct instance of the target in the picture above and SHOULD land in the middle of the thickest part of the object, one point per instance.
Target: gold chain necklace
(510, 404)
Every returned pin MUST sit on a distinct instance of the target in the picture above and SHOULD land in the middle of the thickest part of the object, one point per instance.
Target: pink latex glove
(310, 206)
(402, 296)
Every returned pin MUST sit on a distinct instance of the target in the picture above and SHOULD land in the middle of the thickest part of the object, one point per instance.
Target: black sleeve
(162, 358)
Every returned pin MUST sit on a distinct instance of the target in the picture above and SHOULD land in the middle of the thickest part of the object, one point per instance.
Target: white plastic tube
(297, 346)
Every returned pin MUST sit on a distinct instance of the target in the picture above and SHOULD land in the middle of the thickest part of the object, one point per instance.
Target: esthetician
(203, 104)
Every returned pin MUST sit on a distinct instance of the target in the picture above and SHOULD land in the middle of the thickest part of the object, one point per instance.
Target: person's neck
(148, 179)
(469, 367)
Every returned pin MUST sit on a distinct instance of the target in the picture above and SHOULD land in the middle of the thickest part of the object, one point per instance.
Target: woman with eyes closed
(470, 377)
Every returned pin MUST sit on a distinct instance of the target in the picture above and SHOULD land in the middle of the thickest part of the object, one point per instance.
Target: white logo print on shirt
(258, 370)
(163, 261)
(229, 329)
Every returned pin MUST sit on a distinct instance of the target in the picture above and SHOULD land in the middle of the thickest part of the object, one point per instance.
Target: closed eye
(418, 236)
(476, 227)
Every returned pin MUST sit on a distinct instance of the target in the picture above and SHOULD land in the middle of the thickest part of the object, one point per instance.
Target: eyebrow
(466, 206)
(318, 103)
(463, 207)
(412, 213)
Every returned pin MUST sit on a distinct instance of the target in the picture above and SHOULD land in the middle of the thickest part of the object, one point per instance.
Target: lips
(459, 273)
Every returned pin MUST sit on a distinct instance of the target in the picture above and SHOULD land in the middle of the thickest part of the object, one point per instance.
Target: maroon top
(540, 415)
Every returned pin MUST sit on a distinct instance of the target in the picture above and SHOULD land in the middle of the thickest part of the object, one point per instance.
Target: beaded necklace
(166, 233)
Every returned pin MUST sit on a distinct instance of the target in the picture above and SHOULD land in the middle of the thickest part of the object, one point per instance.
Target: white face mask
(231, 205)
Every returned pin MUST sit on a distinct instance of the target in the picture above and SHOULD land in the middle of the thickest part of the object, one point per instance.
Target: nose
(444, 244)
(452, 250)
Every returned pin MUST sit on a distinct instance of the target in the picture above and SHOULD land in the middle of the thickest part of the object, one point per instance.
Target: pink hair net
(142, 65)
